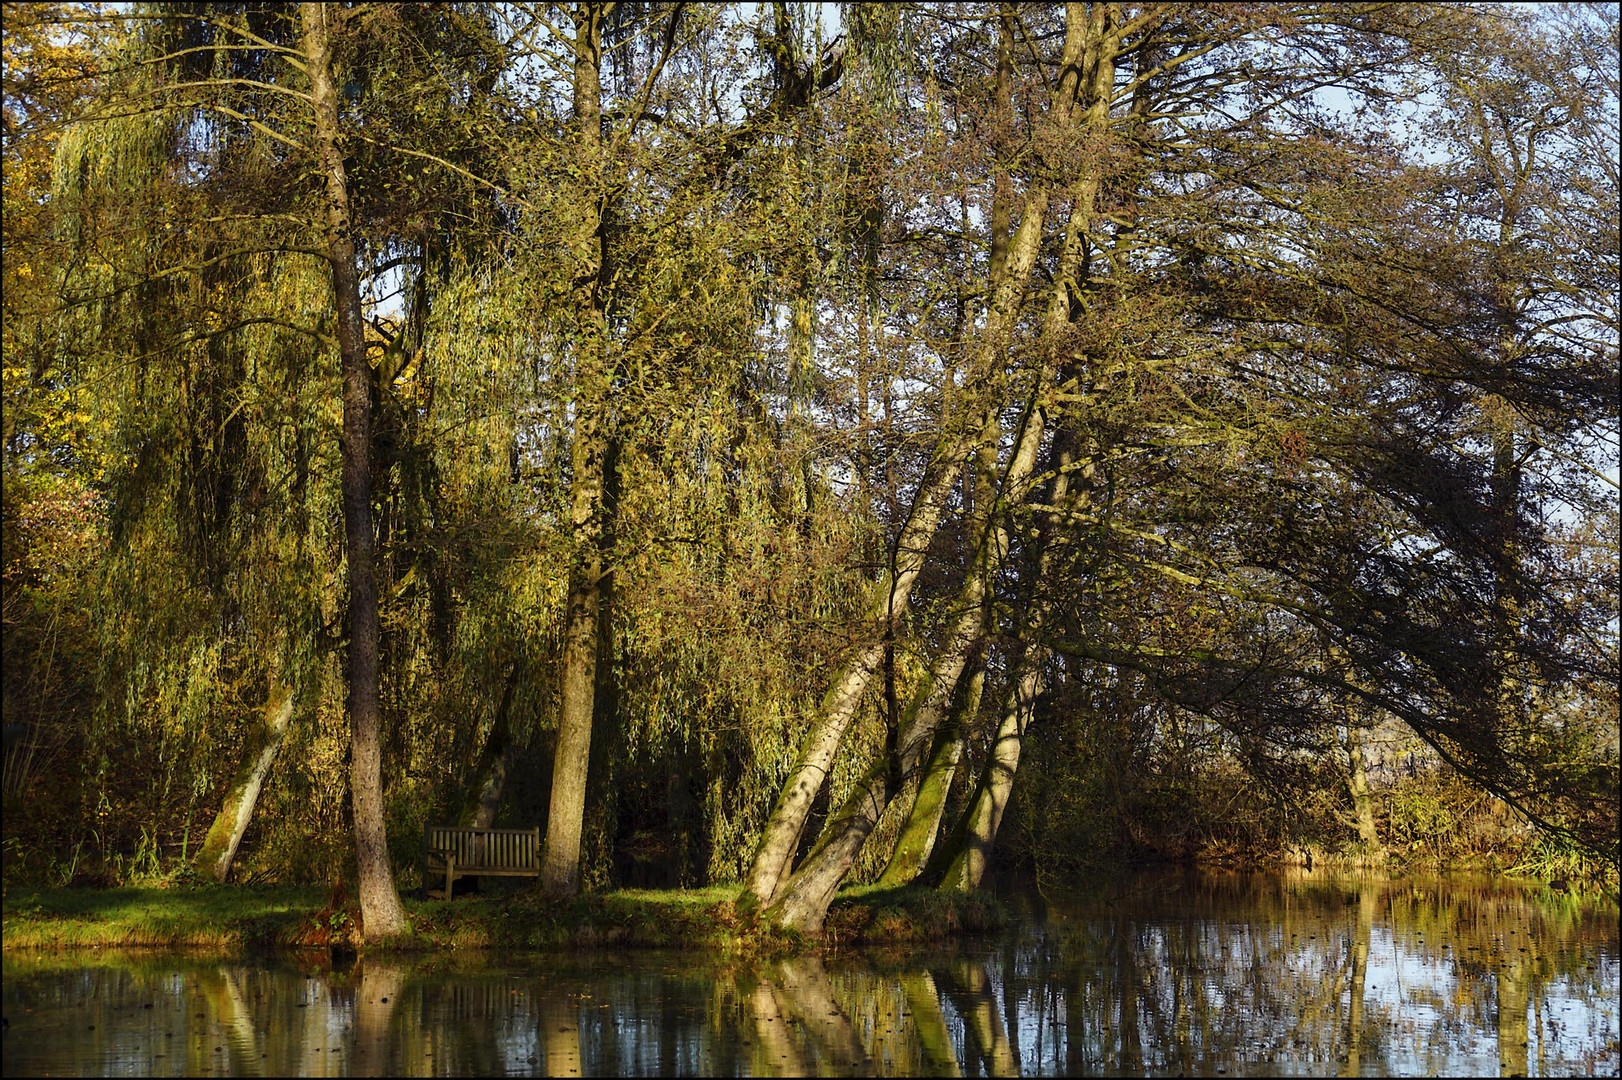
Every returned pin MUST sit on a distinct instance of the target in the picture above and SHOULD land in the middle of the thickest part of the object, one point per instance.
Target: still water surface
(1256, 974)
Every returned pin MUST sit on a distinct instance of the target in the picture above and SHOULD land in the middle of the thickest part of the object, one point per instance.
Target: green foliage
(1330, 407)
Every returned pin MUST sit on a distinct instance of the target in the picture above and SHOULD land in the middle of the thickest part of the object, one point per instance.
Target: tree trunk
(382, 915)
(1357, 781)
(781, 836)
(560, 861)
(918, 834)
(805, 899)
(973, 854)
(917, 838)
(259, 752)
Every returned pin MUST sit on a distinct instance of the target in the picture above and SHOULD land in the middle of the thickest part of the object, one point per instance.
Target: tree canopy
(735, 437)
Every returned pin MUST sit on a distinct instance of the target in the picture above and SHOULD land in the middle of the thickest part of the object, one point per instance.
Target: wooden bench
(465, 852)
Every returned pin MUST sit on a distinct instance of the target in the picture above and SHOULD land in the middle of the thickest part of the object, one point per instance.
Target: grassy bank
(248, 917)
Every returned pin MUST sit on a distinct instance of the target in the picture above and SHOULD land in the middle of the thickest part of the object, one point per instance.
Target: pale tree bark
(382, 915)
(781, 836)
(560, 859)
(1083, 96)
(1357, 783)
(804, 901)
(259, 752)
(970, 854)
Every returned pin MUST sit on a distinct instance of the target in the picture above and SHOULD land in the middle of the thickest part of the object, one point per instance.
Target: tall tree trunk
(259, 752)
(382, 915)
(560, 861)
(805, 899)
(1083, 95)
(781, 836)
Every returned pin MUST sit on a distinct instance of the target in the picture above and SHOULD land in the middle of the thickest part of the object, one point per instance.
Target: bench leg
(450, 874)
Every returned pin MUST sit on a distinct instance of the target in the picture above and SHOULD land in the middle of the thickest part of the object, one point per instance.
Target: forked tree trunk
(781, 836)
(259, 752)
(966, 862)
(804, 901)
(560, 860)
(382, 915)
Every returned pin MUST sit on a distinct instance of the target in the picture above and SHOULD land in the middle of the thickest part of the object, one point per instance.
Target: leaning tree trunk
(1088, 66)
(972, 854)
(769, 871)
(577, 692)
(382, 915)
(259, 752)
(961, 863)
(918, 832)
(781, 836)
(804, 901)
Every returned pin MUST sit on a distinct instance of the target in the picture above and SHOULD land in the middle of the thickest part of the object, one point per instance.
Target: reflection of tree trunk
(808, 993)
(490, 772)
(1366, 900)
(560, 1024)
(258, 753)
(924, 1001)
(1126, 976)
(1512, 1019)
(777, 1053)
(981, 1016)
(375, 998)
(232, 1013)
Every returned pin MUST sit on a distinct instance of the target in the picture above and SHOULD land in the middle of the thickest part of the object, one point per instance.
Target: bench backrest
(502, 849)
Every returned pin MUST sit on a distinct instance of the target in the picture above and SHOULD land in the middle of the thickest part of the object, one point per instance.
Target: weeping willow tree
(767, 434)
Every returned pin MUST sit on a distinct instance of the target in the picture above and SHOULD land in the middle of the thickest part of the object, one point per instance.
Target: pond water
(1253, 974)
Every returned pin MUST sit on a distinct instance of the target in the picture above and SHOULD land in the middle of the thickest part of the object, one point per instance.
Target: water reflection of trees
(1184, 975)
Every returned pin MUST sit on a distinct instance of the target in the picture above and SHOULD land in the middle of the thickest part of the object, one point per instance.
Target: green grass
(246, 916)
(201, 915)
